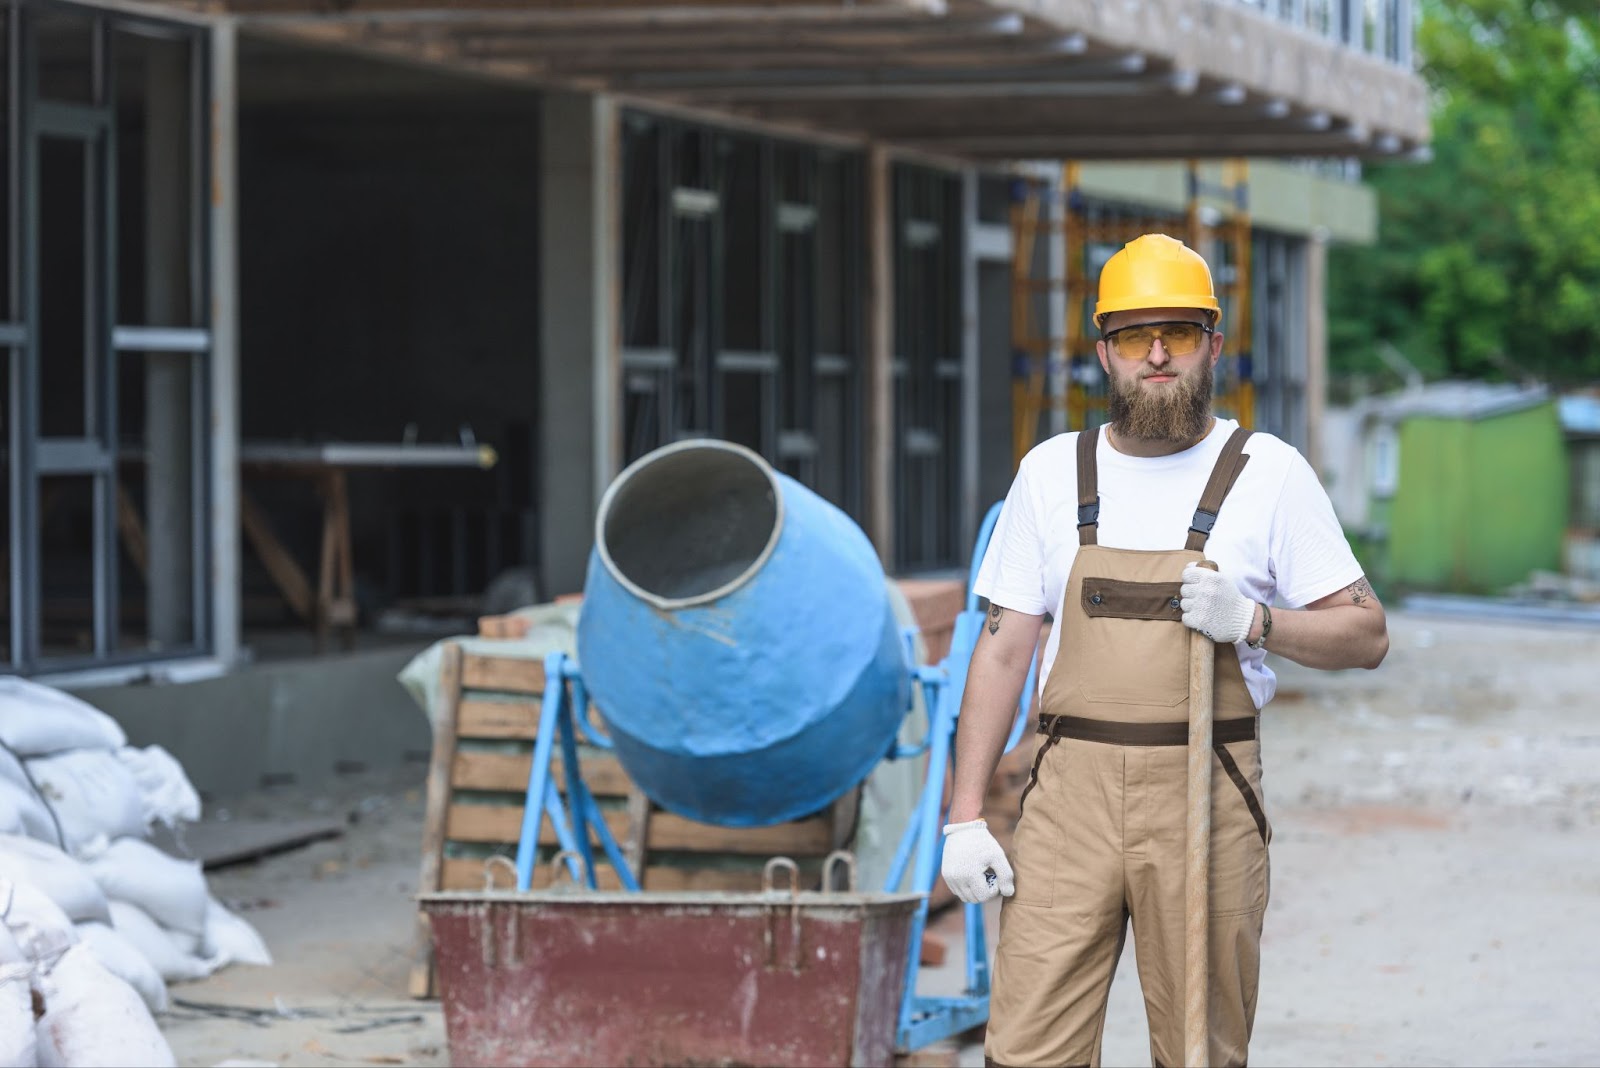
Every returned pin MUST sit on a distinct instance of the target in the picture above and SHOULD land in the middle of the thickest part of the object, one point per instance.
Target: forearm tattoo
(1359, 590)
(995, 612)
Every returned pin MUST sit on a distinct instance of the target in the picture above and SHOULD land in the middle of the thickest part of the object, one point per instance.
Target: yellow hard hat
(1155, 271)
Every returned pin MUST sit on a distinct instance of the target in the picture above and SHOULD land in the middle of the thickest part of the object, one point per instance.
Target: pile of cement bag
(94, 919)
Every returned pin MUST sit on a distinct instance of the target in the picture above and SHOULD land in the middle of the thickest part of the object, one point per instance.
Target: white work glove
(975, 867)
(1213, 606)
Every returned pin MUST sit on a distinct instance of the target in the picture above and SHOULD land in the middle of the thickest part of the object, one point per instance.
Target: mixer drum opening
(689, 523)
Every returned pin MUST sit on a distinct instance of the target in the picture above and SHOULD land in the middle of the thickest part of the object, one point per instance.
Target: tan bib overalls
(1101, 840)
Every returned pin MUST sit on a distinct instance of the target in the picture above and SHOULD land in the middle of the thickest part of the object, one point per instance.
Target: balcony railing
(1380, 28)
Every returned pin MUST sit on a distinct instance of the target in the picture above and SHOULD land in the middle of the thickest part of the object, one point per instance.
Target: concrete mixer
(738, 642)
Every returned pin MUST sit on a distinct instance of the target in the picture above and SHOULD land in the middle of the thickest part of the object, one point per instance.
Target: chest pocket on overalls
(1126, 659)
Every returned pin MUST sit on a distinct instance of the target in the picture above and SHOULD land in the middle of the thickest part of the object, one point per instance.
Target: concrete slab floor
(338, 917)
(1434, 880)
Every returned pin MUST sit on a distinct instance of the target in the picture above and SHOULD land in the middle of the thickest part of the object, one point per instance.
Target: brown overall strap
(1223, 476)
(1088, 487)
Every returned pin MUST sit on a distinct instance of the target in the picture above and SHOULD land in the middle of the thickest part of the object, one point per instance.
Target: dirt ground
(1433, 896)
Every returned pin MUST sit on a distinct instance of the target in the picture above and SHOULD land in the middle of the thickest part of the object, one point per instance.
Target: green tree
(1488, 259)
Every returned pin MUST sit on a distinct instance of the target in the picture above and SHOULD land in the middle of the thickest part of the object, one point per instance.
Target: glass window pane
(156, 198)
(746, 409)
(63, 47)
(835, 274)
(7, 228)
(746, 219)
(7, 563)
(693, 308)
(644, 424)
(835, 438)
(66, 565)
(796, 341)
(66, 311)
(643, 205)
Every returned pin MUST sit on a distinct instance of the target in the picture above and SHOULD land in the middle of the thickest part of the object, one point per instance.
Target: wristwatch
(1266, 627)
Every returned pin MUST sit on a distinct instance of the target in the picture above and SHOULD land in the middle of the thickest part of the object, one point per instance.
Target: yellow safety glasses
(1179, 338)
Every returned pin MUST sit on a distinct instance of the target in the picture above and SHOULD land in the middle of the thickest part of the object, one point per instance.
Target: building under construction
(319, 309)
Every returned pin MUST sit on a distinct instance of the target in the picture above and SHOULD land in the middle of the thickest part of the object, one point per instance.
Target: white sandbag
(22, 812)
(41, 929)
(122, 959)
(62, 879)
(92, 795)
(146, 935)
(190, 945)
(18, 1048)
(10, 948)
(11, 768)
(172, 891)
(93, 1019)
(168, 795)
(36, 719)
(231, 939)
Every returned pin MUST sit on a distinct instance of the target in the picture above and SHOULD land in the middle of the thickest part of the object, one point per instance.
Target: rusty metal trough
(774, 978)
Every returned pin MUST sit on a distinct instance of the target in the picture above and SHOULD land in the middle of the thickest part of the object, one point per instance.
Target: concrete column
(969, 361)
(878, 376)
(169, 422)
(1316, 303)
(224, 427)
(580, 364)
(1058, 366)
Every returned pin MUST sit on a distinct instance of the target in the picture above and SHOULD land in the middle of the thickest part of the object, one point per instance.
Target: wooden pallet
(485, 724)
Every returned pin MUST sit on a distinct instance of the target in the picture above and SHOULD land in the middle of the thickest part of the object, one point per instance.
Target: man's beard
(1180, 412)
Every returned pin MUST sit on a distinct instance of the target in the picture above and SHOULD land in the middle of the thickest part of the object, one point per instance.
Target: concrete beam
(1209, 78)
(879, 459)
(169, 425)
(611, 14)
(1316, 305)
(1230, 42)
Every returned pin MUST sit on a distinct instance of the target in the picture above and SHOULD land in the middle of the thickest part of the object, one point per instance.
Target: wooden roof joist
(890, 84)
(973, 78)
(1350, 141)
(1033, 119)
(592, 15)
(699, 58)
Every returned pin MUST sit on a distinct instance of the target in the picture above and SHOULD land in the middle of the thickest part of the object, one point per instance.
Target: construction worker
(1103, 530)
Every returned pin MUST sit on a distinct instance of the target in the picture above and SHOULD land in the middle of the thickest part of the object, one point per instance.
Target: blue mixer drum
(737, 638)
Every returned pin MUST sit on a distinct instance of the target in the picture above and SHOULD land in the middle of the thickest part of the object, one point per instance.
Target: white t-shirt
(1276, 535)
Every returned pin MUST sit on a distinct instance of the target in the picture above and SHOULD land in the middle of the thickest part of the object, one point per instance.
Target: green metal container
(1480, 500)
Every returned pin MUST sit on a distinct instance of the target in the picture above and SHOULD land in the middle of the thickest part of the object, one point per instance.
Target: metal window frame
(94, 453)
(1279, 342)
(692, 200)
(929, 213)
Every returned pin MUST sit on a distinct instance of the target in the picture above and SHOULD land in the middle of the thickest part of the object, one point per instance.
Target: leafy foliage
(1488, 261)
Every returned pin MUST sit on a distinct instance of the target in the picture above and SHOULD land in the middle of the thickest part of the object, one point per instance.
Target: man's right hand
(975, 867)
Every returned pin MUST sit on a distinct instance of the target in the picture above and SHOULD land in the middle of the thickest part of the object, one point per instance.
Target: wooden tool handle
(1197, 875)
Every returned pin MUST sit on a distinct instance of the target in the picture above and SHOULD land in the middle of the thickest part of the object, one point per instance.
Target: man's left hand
(1213, 606)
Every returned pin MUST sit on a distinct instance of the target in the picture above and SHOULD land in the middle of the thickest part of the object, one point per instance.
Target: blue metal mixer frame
(923, 1020)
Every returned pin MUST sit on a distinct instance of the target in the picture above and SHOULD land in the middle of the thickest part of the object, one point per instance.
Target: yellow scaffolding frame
(1044, 208)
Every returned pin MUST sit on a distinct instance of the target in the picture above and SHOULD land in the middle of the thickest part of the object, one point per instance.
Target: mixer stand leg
(556, 727)
(924, 1020)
